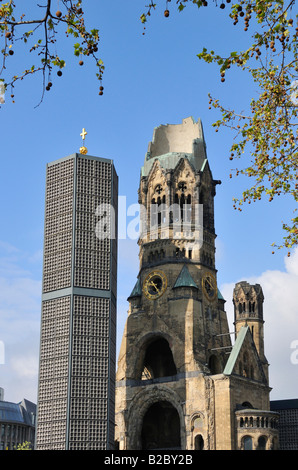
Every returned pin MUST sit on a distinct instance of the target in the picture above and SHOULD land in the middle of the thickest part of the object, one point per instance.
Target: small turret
(248, 311)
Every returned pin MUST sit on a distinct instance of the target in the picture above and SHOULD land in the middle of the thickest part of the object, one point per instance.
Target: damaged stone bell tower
(181, 384)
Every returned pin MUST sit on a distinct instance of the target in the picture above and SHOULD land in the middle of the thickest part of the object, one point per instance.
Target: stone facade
(181, 383)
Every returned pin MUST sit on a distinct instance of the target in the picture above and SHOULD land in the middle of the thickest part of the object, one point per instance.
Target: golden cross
(83, 134)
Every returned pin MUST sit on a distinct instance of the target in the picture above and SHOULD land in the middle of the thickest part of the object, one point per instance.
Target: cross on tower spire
(83, 149)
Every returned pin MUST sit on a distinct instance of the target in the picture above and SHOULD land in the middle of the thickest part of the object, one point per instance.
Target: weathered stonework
(181, 384)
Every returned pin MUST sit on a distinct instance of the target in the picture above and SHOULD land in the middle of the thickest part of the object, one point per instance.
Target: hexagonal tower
(171, 390)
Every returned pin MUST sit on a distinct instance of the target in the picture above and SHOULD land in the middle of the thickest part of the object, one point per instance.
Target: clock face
(209, 286)
(155, 284)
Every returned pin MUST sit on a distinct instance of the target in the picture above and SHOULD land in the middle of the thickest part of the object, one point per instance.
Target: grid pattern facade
(90, 387)
(288, 429)
(92, 254)
(58, 226)
(53, 374)
(78, 331)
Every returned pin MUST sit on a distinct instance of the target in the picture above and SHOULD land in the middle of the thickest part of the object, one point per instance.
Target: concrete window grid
(56, 261)
(56, 347)
(94, 327)
(84, 431)
(46, 369)
(80, 366)
(85, 221)
(58, 226)
(94, 168)
(84, 239)
(59, 206)
(288, 429)
(53, 382)
(92, 367)
(92, 278)
(58, 279)
(90, 316)
(85, 408)
(53, 389)
(81, 345)
(80, 385)
(94, 187)
(81, 325)
(99, 368)
(98, 388)
(92, 259)
(90, 306)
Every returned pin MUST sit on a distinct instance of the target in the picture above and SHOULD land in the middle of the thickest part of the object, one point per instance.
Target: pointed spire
(137, 290)
(184, 279)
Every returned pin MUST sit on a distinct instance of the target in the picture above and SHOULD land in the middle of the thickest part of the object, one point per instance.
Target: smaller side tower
(248, 311)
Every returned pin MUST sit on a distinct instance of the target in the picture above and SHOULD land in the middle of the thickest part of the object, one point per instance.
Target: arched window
(199, 442)
(247, 443)
(153, 213)
(246, 405)
(262, 443)
(161, 427)
(215, 365)
(158, 360)
(182, 203)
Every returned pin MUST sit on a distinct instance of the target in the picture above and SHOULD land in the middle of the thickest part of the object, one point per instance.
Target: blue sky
(150, 79)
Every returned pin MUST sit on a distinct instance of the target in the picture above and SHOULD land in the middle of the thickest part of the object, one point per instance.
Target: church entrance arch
(161, 427)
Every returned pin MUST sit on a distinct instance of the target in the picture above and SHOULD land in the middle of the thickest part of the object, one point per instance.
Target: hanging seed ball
(59, 73)
(81, 62)
(222, 5)
(50, 84)
(101, 88)
(11, 52)
(58, 14)
(167, 13)
(8, 34)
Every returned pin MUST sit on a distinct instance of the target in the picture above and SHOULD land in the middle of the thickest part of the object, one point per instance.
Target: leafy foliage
(265, 140)
(267, 134)
(40, 35)
(24, 446)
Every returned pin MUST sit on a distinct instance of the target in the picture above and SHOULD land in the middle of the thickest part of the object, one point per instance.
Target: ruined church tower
(179, 384)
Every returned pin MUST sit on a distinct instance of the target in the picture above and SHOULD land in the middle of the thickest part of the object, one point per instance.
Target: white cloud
(25, 366)
(281, 324)
(20, 306)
